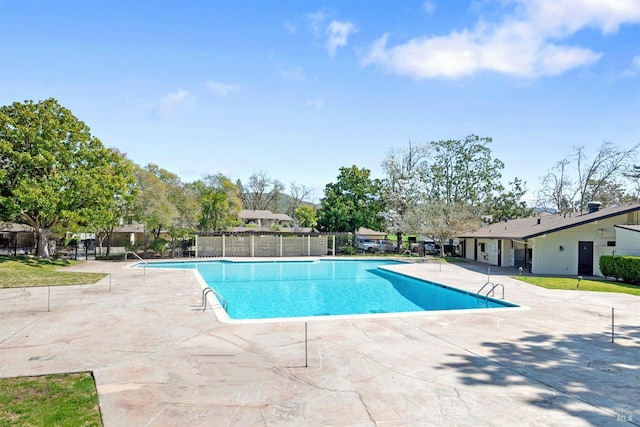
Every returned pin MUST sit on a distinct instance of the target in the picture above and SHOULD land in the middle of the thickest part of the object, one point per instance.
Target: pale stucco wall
(627, 242)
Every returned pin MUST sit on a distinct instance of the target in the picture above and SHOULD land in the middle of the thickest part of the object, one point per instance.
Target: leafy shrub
(623, 268)
(350, 250)
(111, 257)
(158, 245)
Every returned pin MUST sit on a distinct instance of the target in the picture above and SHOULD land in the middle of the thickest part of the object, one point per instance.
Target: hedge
(624, 268)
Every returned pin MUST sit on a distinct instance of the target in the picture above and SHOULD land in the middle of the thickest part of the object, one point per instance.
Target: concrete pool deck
(157, 362)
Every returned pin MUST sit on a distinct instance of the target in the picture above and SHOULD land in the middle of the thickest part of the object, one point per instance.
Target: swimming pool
(286, 289)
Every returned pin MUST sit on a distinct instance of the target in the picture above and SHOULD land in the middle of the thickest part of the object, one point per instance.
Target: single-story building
(16, 239)
(126, 235)
(560, 244)
(367, 233)
(263, 220)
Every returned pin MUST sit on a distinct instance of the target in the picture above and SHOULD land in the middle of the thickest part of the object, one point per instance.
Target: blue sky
(300, 88)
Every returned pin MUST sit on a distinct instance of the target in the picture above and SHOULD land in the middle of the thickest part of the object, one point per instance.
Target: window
(611, 242)
(482, 248)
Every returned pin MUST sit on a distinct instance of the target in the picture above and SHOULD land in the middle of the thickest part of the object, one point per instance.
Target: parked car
(425, 248)
(374, 246)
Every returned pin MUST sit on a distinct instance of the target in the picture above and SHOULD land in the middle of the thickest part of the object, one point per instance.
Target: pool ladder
(491, 291)
(220, 298)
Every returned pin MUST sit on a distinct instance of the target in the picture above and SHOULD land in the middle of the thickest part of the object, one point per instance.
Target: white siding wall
(490, 253)
(627, 242)
(549, 259)
(470, 248)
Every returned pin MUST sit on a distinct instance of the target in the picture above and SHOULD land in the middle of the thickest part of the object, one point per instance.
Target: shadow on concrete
(563, 369)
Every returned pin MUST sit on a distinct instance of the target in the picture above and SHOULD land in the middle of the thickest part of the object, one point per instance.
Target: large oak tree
(52, 168)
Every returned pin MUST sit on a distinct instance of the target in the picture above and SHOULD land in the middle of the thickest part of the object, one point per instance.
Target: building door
(585, 258)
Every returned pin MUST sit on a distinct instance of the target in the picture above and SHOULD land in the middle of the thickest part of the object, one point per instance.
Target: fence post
(612, 322)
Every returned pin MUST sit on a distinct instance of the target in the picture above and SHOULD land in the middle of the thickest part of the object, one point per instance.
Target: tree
(152, 206)
(111, 212)
(554, 191)
(352, 202)
(299, 194)
(403, 187)
(463, 171)
(185, 203)
(593, 179)
(306, 216)
(52, 168)
(458, 185)
(509, 204)
(220, 203)
(633, 175)
(609, 164)
(443, 220)
(261, 193)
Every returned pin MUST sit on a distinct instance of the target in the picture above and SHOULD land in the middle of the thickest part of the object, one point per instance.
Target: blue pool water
(280, 289)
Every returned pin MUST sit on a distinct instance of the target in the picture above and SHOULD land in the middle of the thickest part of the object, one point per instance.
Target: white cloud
(526, 43)
(315, 103)
(222, 89)
(169, 103)
(295, 73)
(290, 28)
(338, 33)
(565, 17)
(316, 21)
(429, 7)
(634, 67)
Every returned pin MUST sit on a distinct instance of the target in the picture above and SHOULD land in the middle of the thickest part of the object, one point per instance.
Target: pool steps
(491, 291)
(206, 291)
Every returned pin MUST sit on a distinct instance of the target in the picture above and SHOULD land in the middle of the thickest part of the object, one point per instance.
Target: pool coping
(158, 363)
(224, 317)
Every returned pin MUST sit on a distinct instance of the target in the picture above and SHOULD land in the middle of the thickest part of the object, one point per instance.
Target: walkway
(159, 363)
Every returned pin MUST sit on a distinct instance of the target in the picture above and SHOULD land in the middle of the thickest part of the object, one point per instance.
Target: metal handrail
(484, 286)
(222, 300)
(130, 252)
(137, 256)
(491, 291)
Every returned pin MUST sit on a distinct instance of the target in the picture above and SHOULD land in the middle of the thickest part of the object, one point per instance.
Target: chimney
(593, 206)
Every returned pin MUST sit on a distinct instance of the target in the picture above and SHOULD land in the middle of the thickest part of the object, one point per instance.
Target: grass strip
(571, 283)
(50, 400)
(19, 272)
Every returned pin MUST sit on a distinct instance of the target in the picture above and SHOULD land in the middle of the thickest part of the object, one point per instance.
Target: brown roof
(362, 231)
(11, 227)
(527, 228)
(130, 228)
(263, 214)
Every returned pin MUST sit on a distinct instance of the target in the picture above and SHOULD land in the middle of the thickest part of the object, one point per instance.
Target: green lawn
(585, 284)
(60, 400)
(19, 272)
(50, 400)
